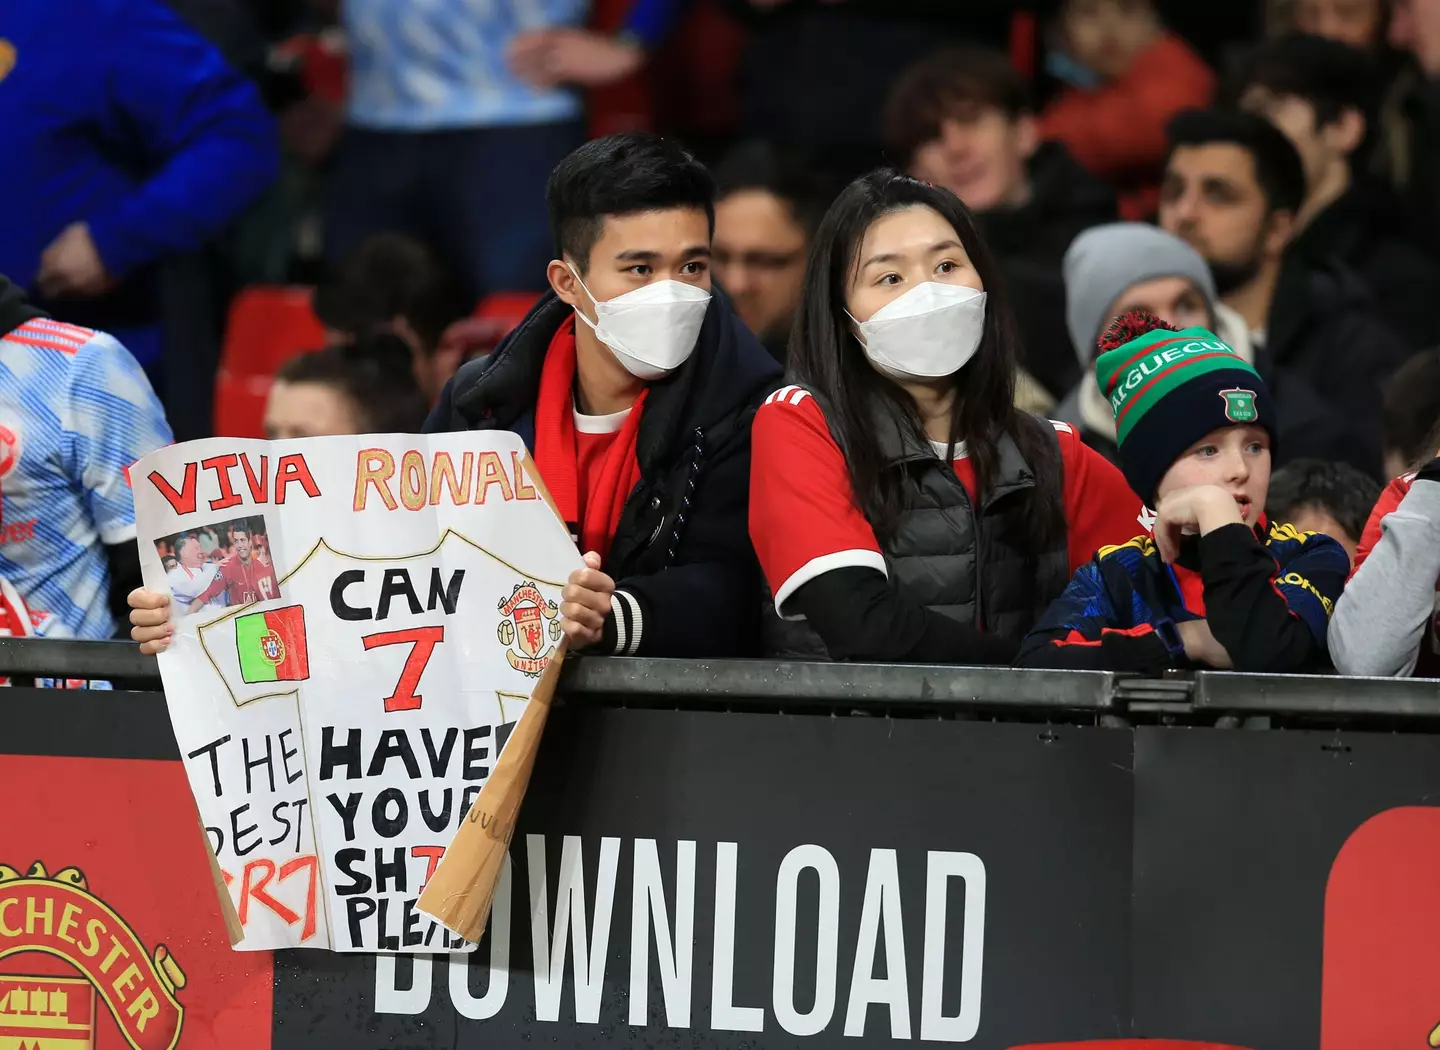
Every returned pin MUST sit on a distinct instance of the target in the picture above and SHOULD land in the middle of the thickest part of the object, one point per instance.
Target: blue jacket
(1267, 594)
(116, 113)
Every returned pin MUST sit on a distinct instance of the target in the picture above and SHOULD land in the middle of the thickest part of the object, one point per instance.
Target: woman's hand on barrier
(1201, 646)
(585, 603)
(150, 620)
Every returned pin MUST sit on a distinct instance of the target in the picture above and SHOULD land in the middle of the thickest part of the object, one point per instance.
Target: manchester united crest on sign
(527, 618)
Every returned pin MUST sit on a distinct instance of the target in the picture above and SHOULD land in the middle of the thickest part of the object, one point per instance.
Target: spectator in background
(365, 387)
(962, 119)
(395, 283)
(1322, 95)
(1119, 268)
(1415, 30)
(900, 505)
(1219, 585)
(75, 412)
(766, 213)
(1233, 186)
(1387, 622)
(1330, 498)
(1412, 405)
(1126, 78)
(814, 75)
(1359, 23)
(128, 139)
(457, 113)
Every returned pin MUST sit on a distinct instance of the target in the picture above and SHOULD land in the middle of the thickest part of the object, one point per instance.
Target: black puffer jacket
(681, 556)
(1324, 358)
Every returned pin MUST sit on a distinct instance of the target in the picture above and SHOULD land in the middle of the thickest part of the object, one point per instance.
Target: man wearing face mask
(633, 384)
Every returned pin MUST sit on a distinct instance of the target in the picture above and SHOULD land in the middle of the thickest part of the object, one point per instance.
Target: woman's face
(901, 250)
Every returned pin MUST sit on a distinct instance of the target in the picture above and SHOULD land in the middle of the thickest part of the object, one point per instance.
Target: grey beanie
(1105, 260)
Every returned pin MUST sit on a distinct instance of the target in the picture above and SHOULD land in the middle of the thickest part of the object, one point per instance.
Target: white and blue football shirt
(75, 412)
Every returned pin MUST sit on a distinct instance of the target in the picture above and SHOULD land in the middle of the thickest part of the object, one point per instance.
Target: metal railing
(843, 687)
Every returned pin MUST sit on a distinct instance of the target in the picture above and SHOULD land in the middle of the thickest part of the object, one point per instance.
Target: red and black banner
(707, 879)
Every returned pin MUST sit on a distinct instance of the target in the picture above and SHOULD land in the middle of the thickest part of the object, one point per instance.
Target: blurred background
(227, 184)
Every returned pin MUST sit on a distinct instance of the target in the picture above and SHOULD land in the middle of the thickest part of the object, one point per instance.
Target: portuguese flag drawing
(272, 645)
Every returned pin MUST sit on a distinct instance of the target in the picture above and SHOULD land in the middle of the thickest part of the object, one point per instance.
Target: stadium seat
(507, 307)
(267, 326)
(1129, 1044)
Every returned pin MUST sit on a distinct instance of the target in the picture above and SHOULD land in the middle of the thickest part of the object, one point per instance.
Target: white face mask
(928, 332)
(651, 330)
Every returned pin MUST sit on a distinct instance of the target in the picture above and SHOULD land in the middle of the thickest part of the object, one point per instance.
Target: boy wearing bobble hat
(1218, 586)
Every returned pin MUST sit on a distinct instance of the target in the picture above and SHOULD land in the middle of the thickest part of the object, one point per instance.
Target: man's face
(1211, 199)
(1353, 22)
(191, 556)
(1319, 149)
(980, 156)
(1175, 300)
(669, 244)
(242, 544)
(296, 410)
(760, 259)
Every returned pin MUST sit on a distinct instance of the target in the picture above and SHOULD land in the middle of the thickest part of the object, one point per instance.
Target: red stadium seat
(267, 326)
(509, 307)
(1129, 1044)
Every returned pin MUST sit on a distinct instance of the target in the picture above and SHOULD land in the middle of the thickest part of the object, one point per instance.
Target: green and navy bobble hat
(1168, 389)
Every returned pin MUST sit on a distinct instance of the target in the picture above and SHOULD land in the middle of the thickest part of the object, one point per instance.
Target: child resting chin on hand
(1218, 585)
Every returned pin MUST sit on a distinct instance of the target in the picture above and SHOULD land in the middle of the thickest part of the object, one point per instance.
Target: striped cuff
(629, 623)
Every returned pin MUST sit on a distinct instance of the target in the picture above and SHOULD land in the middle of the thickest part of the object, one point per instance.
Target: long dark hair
(826, 357)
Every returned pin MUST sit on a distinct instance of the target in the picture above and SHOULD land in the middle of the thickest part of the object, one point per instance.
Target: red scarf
(555, 455)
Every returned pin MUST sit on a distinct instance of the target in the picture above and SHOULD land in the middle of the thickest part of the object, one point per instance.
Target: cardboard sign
(360, 624)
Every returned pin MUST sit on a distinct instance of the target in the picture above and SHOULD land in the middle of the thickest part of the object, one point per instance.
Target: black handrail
(785, 684)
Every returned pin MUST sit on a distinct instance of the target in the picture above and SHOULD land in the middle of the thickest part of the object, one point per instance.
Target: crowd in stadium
(1073, 333)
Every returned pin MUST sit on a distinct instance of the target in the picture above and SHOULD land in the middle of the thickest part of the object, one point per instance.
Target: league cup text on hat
(1168, 389)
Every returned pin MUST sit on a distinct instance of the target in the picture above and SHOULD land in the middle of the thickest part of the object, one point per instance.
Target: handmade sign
(360, 624)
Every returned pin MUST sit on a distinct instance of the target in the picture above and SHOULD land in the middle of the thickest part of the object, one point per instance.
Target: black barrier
(714, 855)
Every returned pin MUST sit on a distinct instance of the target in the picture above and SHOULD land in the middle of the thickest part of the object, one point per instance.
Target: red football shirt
(804, 520)
(244, 582)
(1427, 664)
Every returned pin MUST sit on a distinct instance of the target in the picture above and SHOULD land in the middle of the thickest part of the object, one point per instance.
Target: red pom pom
(1131, 326)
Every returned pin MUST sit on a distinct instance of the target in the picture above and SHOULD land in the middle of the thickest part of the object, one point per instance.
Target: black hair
(375, 374)
(1344, 492)
(955, 81)
(826, 357)
(785, 174)
(389, 276)
(1412, 407)
(1278, 168)
(240, 526)
(1330, 75)
(621, 175)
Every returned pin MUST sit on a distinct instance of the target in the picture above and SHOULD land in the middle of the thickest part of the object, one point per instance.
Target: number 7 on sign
(424, 640)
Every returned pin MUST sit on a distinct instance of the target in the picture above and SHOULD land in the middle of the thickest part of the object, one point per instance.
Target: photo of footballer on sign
(219, 566)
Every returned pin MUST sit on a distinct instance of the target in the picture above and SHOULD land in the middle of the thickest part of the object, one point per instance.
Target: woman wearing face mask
(899, 504)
